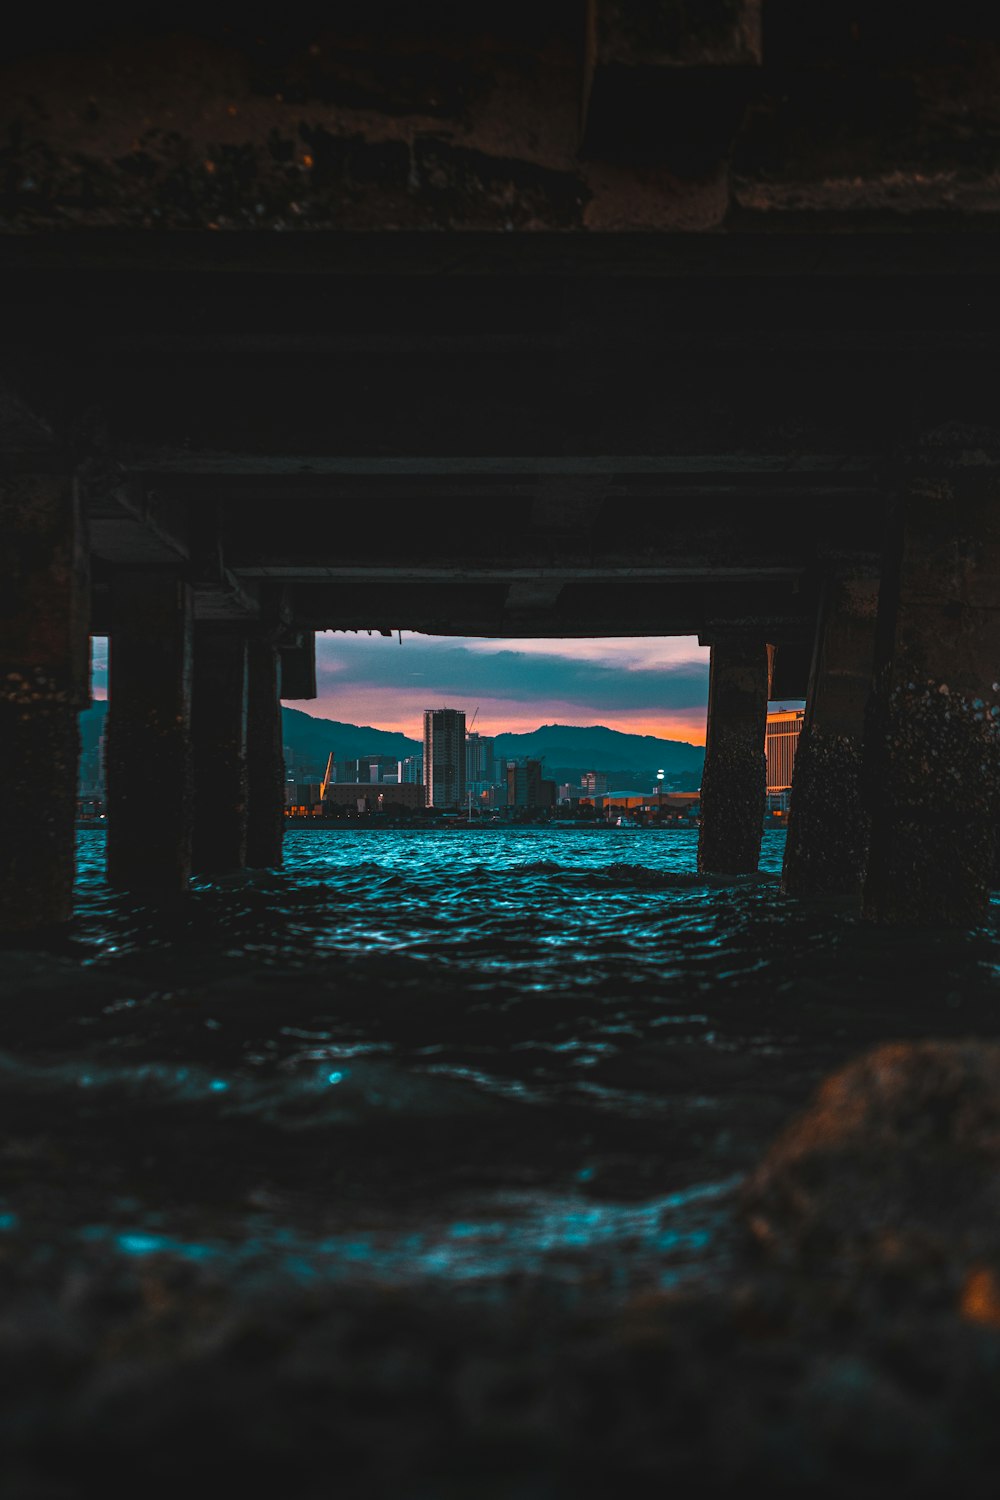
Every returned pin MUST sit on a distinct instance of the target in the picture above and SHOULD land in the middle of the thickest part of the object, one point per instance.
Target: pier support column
(219, 725)
(932, 769)
(265, 756)
(828, 825)
(44, 682)
(148, 753)
(298, 667)
(733, 786)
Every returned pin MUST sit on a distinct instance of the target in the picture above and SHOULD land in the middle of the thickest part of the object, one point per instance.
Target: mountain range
(568, 750)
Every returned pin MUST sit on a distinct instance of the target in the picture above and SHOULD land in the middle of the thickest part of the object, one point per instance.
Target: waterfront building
(594, 783)
(526, 787)
(369, 796)
(784, 727)
(444, 757)
(367, 768)
(410, 770)
(300, 796)
(651, 807)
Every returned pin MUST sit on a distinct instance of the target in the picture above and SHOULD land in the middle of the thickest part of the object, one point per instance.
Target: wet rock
(896, 1164)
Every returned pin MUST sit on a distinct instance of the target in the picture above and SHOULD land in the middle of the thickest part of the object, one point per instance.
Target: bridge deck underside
(552, 450)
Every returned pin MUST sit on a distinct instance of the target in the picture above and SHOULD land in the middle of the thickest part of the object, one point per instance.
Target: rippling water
(393, 1156)
(458, 1055)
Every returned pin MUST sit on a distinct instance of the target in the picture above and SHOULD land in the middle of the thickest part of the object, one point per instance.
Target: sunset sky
(647, 685)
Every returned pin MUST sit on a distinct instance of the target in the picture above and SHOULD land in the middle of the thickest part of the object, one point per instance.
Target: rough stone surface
(827, 842)
(895, 1164)
(932, 756)
(443, 120)
(934, 810)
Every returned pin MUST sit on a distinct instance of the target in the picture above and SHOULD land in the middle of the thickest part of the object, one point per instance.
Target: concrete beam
(128, 523)
(114, 265)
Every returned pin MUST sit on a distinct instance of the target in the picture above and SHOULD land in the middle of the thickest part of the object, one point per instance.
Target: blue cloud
(448, 668)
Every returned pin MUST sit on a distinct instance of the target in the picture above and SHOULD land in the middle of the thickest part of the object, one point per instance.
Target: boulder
(895, 1163)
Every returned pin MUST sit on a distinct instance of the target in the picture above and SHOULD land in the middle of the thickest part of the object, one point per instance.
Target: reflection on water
(454, 1055)
(424, 1154)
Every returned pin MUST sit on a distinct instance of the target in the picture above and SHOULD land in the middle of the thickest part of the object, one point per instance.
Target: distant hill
(567, 749)
(309, 739)
(313, 739)
(597, 748)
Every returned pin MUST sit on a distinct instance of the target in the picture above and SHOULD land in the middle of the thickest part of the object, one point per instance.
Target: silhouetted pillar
(219, 724)
(828, 825)
(733, 786)
(265, 756)
(148, 750)
(44, 682)
(932, 768)
(298, 667)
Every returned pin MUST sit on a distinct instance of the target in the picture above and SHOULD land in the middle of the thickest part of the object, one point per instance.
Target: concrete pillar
(828, 826)
(219, 725)
(44, 682)
(265, 756)
(932, 767)
(734, 780)
(148, 751)
(298, 667)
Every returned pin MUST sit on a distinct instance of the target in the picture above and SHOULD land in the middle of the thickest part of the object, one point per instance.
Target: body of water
(489, 1069)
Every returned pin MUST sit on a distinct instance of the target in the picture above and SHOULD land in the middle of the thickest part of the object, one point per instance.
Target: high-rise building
(410, 771)
(525, 786)
(444, 757)
(480, 764)
(783, 729)
(595, 783)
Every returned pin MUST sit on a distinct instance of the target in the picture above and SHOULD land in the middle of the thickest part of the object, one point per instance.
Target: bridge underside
(565, 384)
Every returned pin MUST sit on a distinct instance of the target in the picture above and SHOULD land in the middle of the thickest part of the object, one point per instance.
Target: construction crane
(329, 775)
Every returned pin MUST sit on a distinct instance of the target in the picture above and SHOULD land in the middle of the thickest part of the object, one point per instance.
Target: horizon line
(608, 728)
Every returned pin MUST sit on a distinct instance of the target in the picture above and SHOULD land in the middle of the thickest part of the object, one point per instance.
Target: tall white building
(444, 757)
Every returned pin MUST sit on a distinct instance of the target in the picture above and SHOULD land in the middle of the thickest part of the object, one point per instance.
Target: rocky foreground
(855, 1350)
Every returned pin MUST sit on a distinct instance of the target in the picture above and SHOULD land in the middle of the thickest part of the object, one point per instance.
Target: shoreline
(87, 825)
